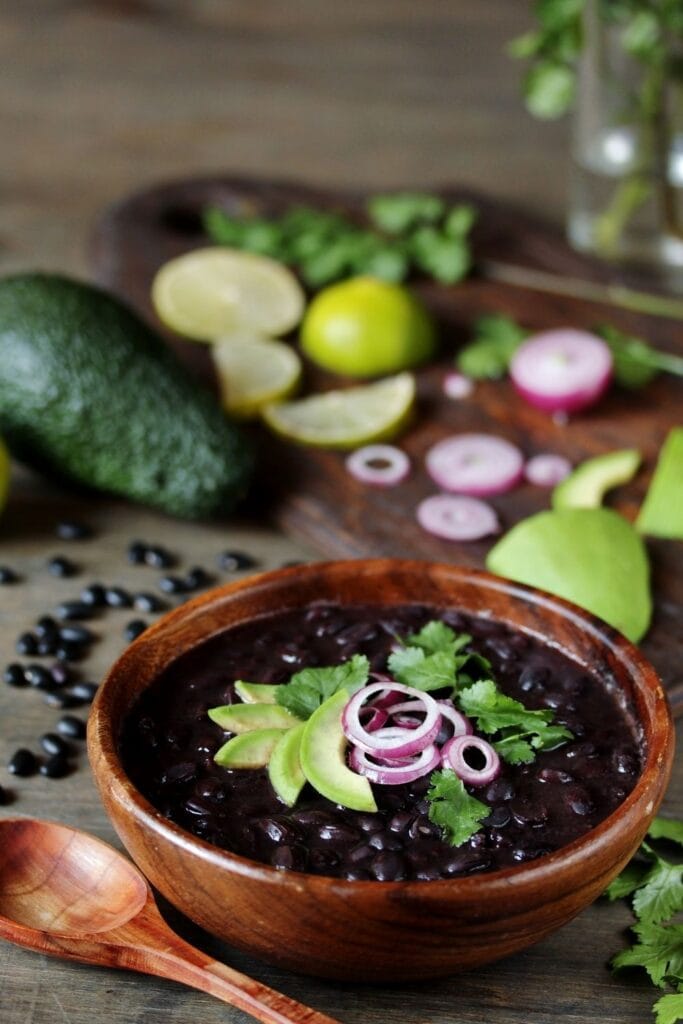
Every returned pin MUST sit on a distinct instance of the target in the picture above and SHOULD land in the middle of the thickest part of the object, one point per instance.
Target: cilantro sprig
(311, 687)
(655, 885)
(407, 232)
(452, 808)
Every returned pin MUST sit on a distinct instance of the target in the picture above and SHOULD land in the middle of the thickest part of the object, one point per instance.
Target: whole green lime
(365, 327)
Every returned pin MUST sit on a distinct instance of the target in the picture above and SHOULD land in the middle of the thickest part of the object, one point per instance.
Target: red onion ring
(562, 370)
(394, 775)
(457, 385)
(391, 465)
(461, 725)
(457, 517)
(376, 719)
(453, 756)
(547, 470)
(475, 464)
(414, 740)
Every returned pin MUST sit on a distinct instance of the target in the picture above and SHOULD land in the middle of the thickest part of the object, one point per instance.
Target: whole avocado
(89, 392)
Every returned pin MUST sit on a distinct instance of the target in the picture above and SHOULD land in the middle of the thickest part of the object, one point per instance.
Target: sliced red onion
(563, 370)
(475, 464)
(547, 470)
(457, 517)
(394, 775)
(412, 740)
(457, 385)
(461, 725)
(393, 732)
(453, 756)
(380, 464)
(376, 719)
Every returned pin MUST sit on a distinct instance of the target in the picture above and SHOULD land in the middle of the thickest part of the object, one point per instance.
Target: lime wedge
(252, 371)
(347, 418)
(208, 293)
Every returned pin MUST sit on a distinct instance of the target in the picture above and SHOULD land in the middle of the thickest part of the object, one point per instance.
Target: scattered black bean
(54, 745)
(61, 700)
(55, 767)
(62, 567)
(66, 650)
(13, 674)
(71, 529)
(46, 647)
(45, 627)
(94, 595)
(22, 762)
(27, 643)
(83, 691)
(117, 597)
(159, 558)
(61, 673)
(172, 585)
(72, 610)
(71, 726)
(145, 602)
(197, 578)
(76, 634)
(39, 676)
(234, 561)
(5, 796)
(133, 629)
(136, 551)
(8, 575)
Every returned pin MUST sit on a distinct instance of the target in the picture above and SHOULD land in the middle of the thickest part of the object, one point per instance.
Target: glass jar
(626, 199)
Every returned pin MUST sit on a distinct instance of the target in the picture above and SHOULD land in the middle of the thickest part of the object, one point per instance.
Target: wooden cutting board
(310, 494)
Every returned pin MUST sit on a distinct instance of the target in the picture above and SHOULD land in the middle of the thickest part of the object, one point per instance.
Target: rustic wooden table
(100, 97)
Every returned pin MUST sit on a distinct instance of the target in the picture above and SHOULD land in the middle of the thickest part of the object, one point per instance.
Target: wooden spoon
(65, 893)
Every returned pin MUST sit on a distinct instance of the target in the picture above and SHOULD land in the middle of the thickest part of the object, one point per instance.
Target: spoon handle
(182, 962)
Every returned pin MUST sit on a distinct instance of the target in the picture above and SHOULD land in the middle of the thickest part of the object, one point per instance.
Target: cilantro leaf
(669, 1009)
(488, 355)
(659, 950)
(667, 828)
(453, 809)
(627, 882)
(446, 258)
(412, 667)
(636, 362)
(660, 894)
(437, 636)
(396, 213)
(310, 687)
(516, 730)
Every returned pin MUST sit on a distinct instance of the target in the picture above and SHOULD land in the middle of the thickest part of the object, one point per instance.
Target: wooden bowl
(378, 931)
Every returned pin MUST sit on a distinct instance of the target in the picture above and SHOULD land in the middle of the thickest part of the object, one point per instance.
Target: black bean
(198, 578)
(71, 529)
(46, 626)
(54, 745)
(290, 858)
(322, 860)
(8, 575)
(501, 789)
(338, 833)
(22, 762)
(533, 678)
(76, 634)
(134, 628)
(400, 821)
(357, 875)
(145, 602)
(94, 595)
(117, 597)
(498, 818)
(13, 674)
(385, 841)
(72, 727)
(38, 676)
(45, 647)
(83, 691)
(27, 643)
(5, 796)
(554, 775)
(61, 673)
(361, 853)
(62, 567)
(159, 558)
(55, 767)
(388, 867)
(73, 610)
(172, 585)
(60, 699)
(234, 561)
(68, 651)
(136, 551)
(369, 822)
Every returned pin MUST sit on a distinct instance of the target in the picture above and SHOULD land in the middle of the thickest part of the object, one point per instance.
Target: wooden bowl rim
(573, 857)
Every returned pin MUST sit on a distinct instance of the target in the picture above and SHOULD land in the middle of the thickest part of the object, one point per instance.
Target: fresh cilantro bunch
(311, 687)
(452, 808)
(408, 231)
(656, 887)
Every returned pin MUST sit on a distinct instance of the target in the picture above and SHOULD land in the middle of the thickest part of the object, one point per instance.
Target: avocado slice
(591, 556)
(241, 718)
(587, 485)
(323, 760)
(661, 514)
(253, 750)
(256, 693)
(90, 394)
(284, 768)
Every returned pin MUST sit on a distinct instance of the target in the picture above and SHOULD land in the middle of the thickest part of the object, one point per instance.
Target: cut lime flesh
(346, 418)
(253, 371)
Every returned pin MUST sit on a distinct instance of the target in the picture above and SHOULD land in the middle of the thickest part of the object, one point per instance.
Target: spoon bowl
(68, 894)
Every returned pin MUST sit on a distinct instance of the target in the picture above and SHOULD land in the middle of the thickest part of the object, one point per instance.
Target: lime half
(208, 293)
(347, 418)
(253, 371)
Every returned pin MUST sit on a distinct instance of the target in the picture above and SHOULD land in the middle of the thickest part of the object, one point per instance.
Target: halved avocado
(240, 718)
(591, 480)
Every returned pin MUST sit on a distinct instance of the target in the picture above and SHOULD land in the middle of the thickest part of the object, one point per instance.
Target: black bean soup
(168, 744)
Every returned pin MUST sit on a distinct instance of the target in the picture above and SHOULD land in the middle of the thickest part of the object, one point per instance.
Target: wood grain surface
(100, 97)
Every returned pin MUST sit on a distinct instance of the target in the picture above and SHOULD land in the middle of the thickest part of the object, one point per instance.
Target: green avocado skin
(90, 393)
